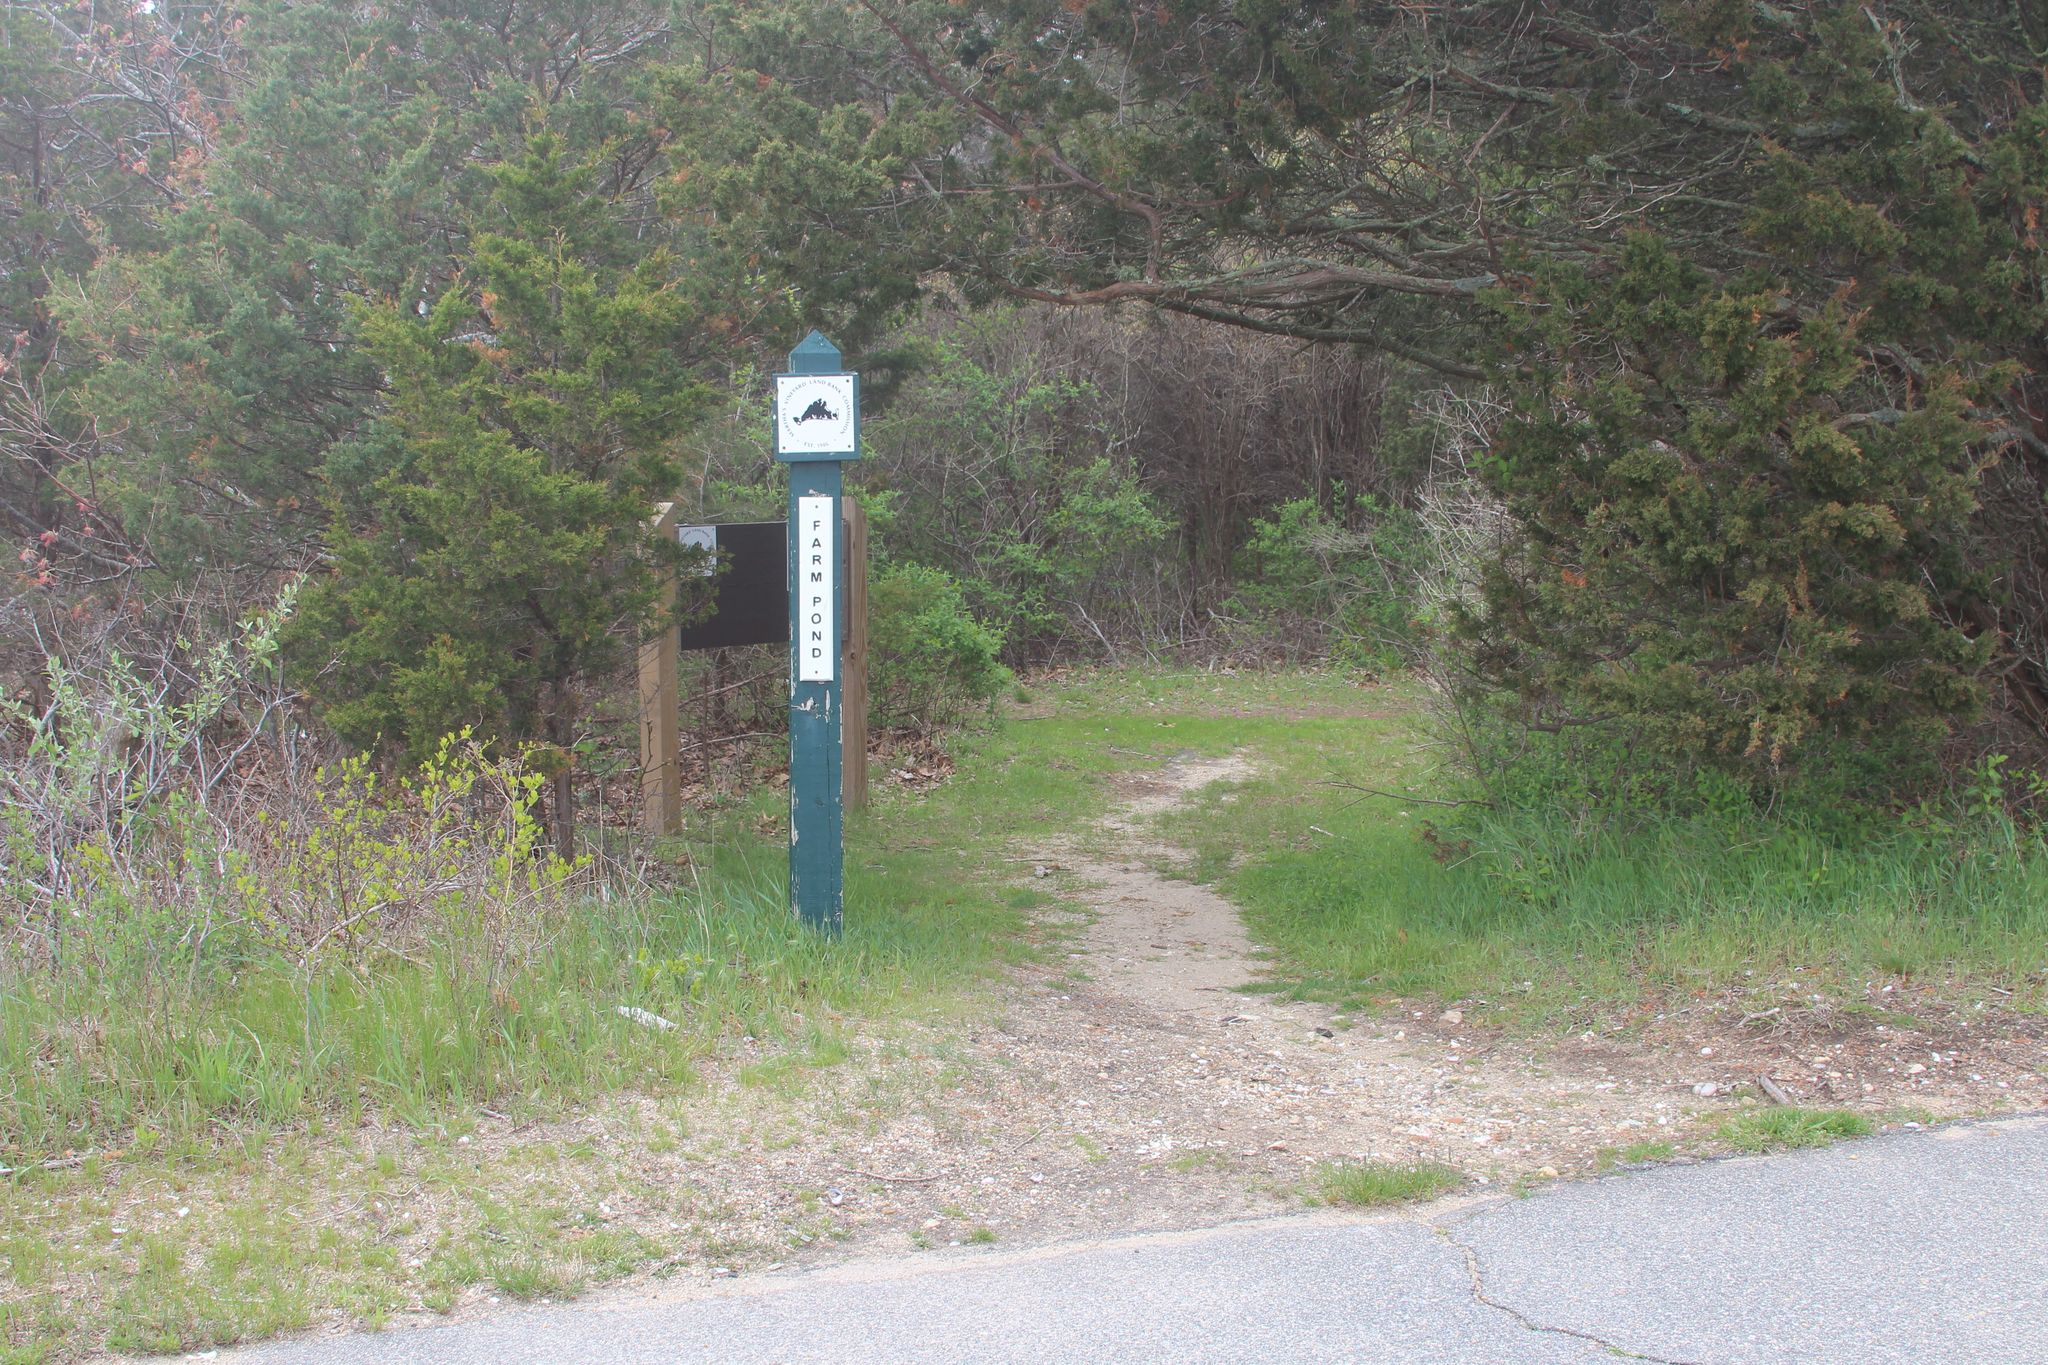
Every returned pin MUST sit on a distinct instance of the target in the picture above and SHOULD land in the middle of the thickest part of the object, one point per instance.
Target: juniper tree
(1762, 286)
(488, 546)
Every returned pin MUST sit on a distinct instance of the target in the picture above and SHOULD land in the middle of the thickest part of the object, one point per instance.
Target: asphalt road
(1916, 1247)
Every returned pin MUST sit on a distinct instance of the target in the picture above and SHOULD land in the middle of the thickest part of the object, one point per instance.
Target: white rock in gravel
(1452, 1017)
(1706, 1089)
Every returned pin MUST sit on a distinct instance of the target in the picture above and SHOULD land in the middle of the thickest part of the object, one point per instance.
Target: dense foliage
(1752, 295)
(1759, 289)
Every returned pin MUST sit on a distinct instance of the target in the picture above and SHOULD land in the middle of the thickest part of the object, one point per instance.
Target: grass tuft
(1768, 1130)
(1634, 1154)
(1370, 1184)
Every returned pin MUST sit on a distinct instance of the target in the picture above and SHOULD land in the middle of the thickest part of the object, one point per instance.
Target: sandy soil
(1127, 1084)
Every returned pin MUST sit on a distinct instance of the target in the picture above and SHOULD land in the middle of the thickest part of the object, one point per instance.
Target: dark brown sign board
(661, 785)
(750, 603)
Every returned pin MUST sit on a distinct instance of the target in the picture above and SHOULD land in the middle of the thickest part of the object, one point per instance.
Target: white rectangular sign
(815, 593)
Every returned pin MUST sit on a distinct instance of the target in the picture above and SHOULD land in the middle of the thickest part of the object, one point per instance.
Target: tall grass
(1564, 915)
(1561, 906)
(89, 1061)
(204, 924)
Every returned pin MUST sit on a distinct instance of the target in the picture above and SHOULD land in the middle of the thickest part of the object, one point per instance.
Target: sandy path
(1131, 1085)
(1123, 1083)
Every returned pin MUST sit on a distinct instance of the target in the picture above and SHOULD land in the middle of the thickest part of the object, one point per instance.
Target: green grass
(1770, 1130)
(1633, 1154)
(264, 1098)
(1561, 918)
(1371, 1184)
(94, 1061)
(1201, 1159)
(257, 1095)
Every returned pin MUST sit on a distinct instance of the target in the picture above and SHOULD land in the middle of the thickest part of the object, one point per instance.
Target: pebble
(1705, 1089)
(1452, 1017)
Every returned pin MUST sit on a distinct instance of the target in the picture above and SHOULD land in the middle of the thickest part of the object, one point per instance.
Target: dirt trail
(1126, 1084)
(1155, 945)
(1133, 1085)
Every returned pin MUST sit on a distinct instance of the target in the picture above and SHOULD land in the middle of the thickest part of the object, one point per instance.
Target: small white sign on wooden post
(816, 590)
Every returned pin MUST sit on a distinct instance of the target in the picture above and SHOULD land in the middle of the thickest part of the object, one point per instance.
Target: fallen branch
(1398, 796)
(722, 739)
(54, 1164)
(1776, 1092)
(894, 1179)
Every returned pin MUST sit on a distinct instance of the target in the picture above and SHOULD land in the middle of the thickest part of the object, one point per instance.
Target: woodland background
(1663, 376)
(1588, 460)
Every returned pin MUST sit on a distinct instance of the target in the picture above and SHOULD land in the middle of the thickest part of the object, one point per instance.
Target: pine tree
(1763, 287)
(498, 557)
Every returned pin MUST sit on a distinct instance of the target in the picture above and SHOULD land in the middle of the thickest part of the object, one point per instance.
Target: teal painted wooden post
(817, 428)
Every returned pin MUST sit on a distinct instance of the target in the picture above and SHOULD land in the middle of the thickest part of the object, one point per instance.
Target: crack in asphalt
(1477, 1276)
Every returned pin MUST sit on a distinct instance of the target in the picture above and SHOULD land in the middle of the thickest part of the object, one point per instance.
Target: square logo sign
(815, 414)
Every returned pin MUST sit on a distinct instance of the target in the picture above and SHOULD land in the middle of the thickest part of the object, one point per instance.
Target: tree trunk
(562, 786)
(562, 799)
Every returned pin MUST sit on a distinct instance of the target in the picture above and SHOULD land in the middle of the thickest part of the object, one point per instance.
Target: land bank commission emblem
(815, 414)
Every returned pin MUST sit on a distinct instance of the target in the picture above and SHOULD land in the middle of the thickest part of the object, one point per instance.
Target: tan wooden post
(661, 784)
(853, 693)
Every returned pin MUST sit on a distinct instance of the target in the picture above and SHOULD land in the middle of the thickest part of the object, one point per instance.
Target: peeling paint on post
(817, 429)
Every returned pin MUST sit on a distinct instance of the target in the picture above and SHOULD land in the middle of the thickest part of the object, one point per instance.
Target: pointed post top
(815, 355)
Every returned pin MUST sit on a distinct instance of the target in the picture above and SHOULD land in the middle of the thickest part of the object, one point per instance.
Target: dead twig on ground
(1366, 792)
(893, 1179)
(1777, 1093)
(62, 1163)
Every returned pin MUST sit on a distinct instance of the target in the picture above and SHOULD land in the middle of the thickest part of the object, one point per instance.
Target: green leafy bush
(929, 660)
(1036, 507)
(1342, 581)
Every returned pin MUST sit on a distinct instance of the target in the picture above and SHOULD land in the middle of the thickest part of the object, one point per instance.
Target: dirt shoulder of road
(1126, 1082)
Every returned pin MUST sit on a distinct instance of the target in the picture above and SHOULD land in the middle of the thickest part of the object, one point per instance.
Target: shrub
(930, 661)
(1343, 581)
